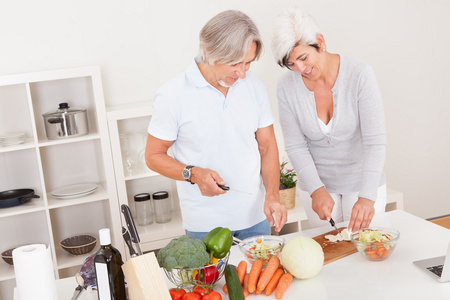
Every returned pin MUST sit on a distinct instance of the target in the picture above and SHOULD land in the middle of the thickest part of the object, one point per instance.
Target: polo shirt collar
(196, 77)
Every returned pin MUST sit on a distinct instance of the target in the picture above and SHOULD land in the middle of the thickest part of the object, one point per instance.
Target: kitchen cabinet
(128, 134)
(45, 165)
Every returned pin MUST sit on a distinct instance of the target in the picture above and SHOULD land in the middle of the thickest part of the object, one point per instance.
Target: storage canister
(163, 208)
(144, 209)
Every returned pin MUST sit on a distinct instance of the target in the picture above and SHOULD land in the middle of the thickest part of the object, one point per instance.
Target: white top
(211, 131)
(326, 128)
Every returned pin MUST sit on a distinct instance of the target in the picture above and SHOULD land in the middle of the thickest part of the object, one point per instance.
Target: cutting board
(334, 250)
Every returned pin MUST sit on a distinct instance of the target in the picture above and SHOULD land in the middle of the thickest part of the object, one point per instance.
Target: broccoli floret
(183, 252)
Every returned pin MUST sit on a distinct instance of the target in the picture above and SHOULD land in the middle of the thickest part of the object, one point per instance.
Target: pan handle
(28, 198)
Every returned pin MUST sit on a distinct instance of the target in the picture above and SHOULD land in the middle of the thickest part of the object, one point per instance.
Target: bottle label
(104, 292)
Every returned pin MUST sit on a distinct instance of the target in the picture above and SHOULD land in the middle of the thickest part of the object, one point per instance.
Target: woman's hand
(362, 214)
(322, 203)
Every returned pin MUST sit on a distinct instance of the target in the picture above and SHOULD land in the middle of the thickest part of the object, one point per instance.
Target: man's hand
(207, 181)
(362, 214)
(272, 206)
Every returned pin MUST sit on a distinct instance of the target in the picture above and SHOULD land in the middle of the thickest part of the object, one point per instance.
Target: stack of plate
(74, 191)
(12, 139)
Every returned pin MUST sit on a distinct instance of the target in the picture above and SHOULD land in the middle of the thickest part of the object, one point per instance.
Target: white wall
(140, 44)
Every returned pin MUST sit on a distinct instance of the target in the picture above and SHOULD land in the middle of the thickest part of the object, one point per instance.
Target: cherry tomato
(202, 291)
(192, 296)
(177, 294)
(212, 296)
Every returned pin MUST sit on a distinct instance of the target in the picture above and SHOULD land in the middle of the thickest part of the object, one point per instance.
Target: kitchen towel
(34, 272)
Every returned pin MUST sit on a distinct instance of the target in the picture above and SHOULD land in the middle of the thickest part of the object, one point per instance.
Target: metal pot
(66, 122)
(12, 198)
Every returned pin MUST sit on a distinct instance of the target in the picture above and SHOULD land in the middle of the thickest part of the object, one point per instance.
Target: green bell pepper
(218, 241)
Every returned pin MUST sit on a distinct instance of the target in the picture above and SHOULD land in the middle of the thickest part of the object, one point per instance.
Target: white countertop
(354, 277)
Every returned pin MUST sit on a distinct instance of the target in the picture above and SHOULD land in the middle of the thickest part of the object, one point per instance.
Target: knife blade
(127, 238)
(227, 188)
(334, 225)
(77, 292)
(131, 227)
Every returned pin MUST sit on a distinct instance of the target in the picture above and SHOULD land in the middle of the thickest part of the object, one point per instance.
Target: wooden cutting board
(334, 250)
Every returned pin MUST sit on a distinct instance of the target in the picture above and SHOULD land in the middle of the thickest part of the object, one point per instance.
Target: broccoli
(183, 252)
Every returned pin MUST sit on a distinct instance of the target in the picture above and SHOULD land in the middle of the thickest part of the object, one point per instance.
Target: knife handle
(224, 187)
(130, 223)
(332, 222)
(127, 238)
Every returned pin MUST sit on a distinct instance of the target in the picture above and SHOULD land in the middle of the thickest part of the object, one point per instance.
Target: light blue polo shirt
(212, 131)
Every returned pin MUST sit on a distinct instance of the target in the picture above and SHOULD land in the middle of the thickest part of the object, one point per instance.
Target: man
(217, 118)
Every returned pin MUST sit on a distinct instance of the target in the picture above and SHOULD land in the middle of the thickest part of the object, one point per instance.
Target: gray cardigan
(351, 157)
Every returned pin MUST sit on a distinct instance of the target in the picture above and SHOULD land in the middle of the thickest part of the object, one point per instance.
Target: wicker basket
(287, 198)
(79, 244)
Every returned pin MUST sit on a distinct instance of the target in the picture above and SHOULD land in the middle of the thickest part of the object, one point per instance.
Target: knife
(131, 227)
(227, 188)
(127, 238)
(334, 225)
(77, 292)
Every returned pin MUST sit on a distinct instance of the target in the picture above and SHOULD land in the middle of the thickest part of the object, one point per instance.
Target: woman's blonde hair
(292, 28)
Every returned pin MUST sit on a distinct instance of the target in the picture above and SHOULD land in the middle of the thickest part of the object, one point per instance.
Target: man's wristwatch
(187, 174)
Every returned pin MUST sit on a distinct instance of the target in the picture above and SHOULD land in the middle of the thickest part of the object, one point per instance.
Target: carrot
(272, 266)
(274, 281)
(245, 286)
(282, 285)
(241, 270)
(255, 271)
(225, 289)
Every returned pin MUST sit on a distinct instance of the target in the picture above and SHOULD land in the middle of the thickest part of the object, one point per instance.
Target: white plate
(75, 196)
(74, 190)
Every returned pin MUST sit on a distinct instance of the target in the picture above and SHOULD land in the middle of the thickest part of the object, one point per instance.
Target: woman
(332, 118)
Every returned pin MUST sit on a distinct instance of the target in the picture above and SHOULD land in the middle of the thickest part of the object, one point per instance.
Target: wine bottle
(108, 270)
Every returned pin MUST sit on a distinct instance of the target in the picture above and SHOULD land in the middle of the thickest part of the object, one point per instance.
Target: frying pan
(16, 197)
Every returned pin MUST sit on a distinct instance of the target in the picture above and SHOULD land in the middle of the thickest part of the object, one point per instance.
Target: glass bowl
(185, 277)
(261, 247)
(382, 243)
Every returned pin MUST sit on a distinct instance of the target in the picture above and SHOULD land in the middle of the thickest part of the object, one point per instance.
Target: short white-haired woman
(331, 114)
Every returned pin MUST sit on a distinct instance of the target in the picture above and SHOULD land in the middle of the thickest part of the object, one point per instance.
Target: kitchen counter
(354, 277)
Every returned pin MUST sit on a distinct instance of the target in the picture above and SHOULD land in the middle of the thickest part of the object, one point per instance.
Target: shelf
(67, 260)
(142, 174)
(35, 204)
(44, 142)
(6, 271)
(99, 195)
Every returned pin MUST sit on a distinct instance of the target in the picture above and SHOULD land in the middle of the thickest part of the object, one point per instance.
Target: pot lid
(64, 108)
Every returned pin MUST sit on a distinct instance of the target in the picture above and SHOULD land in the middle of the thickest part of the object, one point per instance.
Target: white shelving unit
(133, 119)
(44, 165)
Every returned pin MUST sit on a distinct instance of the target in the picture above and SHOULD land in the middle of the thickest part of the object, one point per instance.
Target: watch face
(186, 174)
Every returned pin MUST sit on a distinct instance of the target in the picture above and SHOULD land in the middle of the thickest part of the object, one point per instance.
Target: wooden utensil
(334, 250)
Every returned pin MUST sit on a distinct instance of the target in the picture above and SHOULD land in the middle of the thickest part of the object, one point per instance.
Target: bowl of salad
(376, 243)
(261, 247)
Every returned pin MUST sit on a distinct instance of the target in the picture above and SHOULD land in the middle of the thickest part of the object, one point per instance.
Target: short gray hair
(227, 37)
(292, 28)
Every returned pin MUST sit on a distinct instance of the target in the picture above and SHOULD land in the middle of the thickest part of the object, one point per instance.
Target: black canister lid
(160, 195)
(142, 197)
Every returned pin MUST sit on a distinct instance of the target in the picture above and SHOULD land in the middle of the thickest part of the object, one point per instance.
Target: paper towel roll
(35, 279)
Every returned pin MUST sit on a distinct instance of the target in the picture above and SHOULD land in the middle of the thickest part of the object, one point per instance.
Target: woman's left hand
(362, 214)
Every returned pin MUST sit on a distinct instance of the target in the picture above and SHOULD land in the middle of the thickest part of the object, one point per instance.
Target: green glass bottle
(108, 270)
